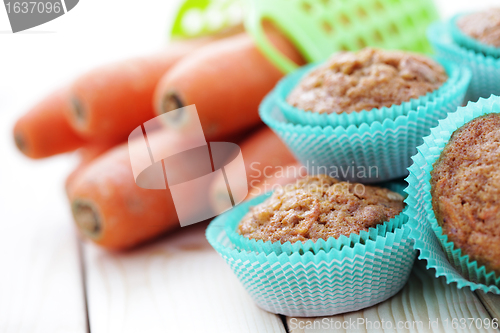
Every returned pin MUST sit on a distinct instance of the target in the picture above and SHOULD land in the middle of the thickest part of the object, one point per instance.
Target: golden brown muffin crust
(319, 207)
(483, 26)
(367, 79)
(465, 188)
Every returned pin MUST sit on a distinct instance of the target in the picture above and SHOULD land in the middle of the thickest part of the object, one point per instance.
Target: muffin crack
(368, 79)
(319, 207)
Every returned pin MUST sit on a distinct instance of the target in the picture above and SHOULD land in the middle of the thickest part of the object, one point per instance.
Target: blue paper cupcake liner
(369, 153)
(464, 40)
(322, 284)
(485, 69)
(441, 254)
(302, 117)
(243, 243)
(397, 185)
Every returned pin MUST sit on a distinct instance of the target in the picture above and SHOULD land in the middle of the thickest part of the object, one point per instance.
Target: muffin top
(319, 207)
(466, 190)
(483, 26)
(367, 79)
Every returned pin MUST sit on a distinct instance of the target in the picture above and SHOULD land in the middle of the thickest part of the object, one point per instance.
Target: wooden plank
(425, 304)
(41, 286)
(491, 302)
(178, 284)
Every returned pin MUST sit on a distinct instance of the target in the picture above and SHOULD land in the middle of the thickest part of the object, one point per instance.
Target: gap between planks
(83, 276)
(491, 302)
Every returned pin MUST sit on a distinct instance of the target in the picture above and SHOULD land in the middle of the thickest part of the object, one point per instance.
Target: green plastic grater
(203, 17)
(319, 27)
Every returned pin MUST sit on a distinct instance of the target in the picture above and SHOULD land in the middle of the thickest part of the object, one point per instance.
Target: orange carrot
(225, 80)
(284, 175)
(111, 210)
(44, 130)
(263, 153)
(87, 154)
(109, 102)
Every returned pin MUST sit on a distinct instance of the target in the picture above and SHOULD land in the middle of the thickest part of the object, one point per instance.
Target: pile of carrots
(225, 76)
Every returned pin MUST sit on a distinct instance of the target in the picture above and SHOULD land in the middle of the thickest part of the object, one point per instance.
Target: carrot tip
(20, 142)
(78, 110)
(87, 218)
(171, 102)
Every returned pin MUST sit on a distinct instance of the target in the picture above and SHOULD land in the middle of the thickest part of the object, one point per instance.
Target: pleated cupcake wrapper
(302, 117)
(469, 42)
(369, 153)
(397, 185)
(245, 244)
(485, 69)
(441, 254)
(321, 284)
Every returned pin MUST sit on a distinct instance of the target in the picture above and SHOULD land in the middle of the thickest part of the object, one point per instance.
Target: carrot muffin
(319, 207)
(367, 79)
(466, 190)
(482, 26)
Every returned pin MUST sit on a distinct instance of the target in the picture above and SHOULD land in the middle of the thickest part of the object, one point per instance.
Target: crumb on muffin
(319, 207)
(367, 79)
(465, 188)
(483, 26)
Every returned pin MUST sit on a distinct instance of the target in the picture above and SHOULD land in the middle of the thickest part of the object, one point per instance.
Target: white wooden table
(180, 284)
(51, 281)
